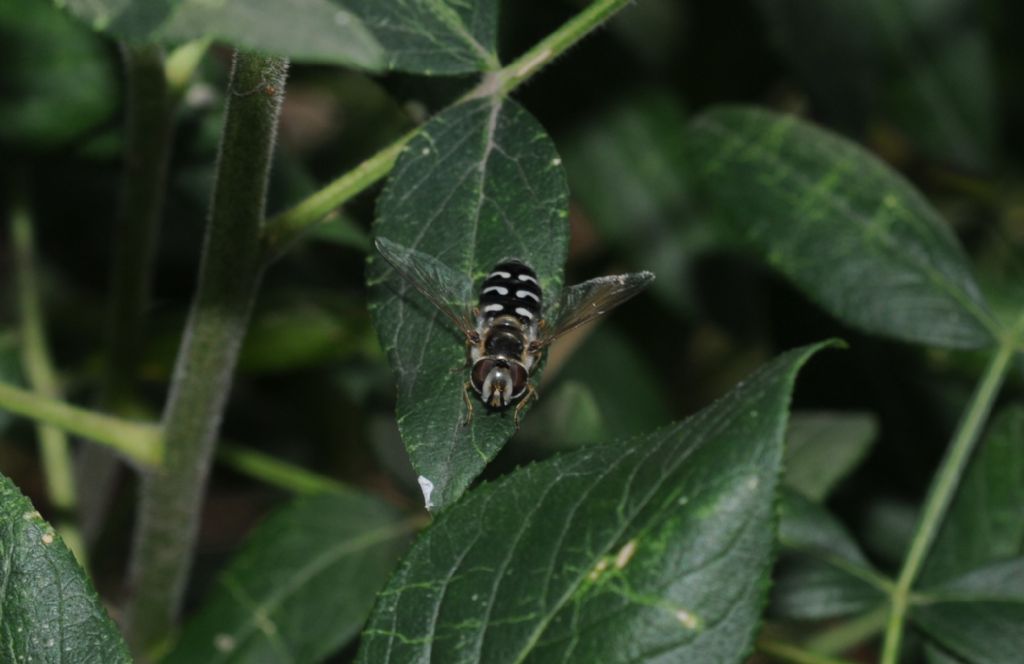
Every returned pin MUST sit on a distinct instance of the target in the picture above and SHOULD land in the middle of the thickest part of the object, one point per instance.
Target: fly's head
(499, 381)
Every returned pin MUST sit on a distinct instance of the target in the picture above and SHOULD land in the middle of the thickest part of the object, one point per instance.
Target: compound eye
(479, 374)
(519, 379)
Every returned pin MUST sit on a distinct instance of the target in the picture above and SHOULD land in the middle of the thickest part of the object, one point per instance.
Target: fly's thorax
(511, 289)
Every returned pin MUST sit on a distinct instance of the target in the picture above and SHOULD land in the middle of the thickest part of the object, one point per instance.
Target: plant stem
(788, 652)
(943, 489)
(138, 442)
(38, 367)
(285, 227)
(148, 132)
(275, 472)
(229, 277)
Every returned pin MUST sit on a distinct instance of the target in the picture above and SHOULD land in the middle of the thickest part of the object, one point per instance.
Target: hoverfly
(506, 332)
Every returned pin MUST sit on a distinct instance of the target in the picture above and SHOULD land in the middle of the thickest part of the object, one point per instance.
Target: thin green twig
(139, 442)
(275, 472)
(943, 488)
(285, 227)
(843, 636)
(38, 366)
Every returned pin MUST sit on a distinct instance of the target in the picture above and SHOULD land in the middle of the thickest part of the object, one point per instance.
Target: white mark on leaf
(624, 555)
(224, 642)
(47, 538)
(427, 487)
(687, 619)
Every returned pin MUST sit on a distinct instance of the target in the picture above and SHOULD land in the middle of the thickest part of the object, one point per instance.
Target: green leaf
(49, 611)
(824, 447)
(979, 616)
(480, 182)
(303, 30)
(986, 520)
(302, 585)
(823, 573)
(628, 170)
(58, 81)
(655, 549)
(434, 36)
(847, 230)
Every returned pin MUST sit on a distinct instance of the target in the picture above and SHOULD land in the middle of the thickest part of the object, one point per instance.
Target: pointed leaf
(433, 36)
(302, 585)
(49, 611)
(847, 230)
(479, 183)
(824, 447)
(657, 550)
(986, 520)
(303, 30)
(823, 573)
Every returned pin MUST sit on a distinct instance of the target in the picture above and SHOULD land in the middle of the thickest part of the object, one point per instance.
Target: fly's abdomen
(511, 289)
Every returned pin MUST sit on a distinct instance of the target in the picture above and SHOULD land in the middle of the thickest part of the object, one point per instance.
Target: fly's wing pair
(450, 292)
(446, 289)
(591, 299)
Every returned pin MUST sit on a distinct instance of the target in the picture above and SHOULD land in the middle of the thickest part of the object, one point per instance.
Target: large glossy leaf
(847, 230)
(305, 30)
(979, 616)
(823, 447)
(49, 612)
(926, 67)
(986, 521)
(480, 182)
(656, 550)
(823, 573)
(301, 586)
(434, 36)
(58, 80)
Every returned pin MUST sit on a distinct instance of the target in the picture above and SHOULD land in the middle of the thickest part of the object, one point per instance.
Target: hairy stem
(148, 132)
(38, 367)
(229, 277)
(284, 228)
(943, 489)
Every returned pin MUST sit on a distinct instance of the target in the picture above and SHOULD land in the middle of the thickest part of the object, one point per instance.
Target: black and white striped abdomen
(511, 289)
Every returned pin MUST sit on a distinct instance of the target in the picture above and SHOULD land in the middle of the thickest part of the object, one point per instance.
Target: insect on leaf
(479, 183)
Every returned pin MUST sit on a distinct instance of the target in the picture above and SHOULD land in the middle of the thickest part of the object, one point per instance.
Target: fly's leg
(469, 404)
(531, 393)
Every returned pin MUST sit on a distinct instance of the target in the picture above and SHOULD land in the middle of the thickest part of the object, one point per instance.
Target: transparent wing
(584, 302)
(446, 289)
